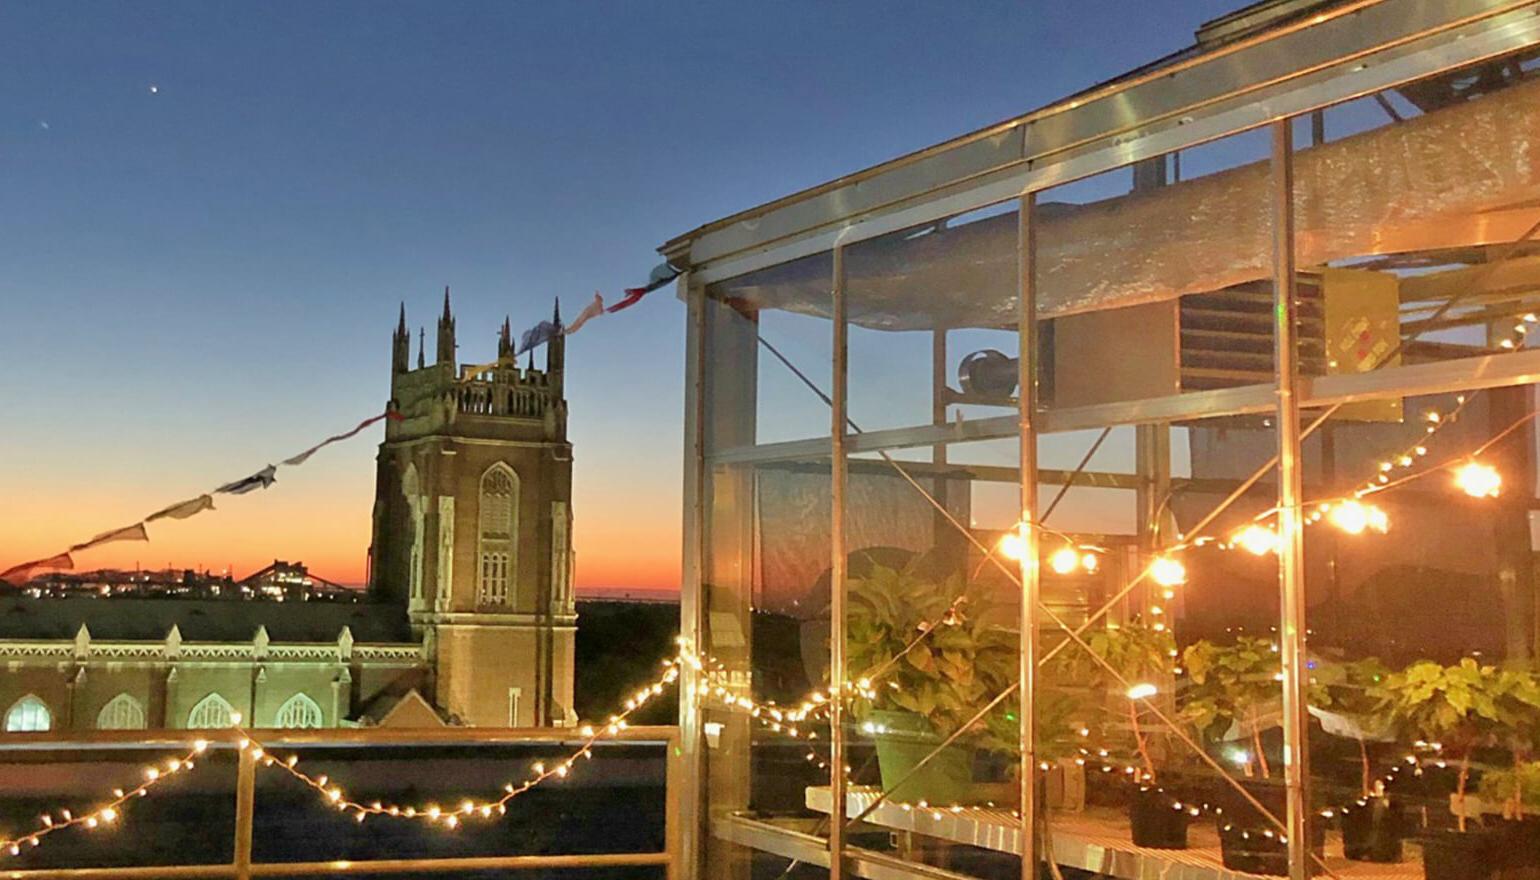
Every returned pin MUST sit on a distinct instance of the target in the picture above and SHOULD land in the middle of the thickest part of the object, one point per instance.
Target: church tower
(473, 528)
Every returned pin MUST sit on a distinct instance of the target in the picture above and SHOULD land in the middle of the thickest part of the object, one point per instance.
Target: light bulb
(1478, 480)
(1013, 546)
(1350, 516)
(1064, 560)
(1257, 540)
(1142, 691)
(1089, 562)
(1168, 572)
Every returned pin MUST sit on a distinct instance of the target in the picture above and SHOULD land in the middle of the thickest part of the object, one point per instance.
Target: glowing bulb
(1013, 546)
(1168, 572)
(1064, 560)
(235, 718)
(1478, 480)
(1142, 691)
(1257, 540)
(1089, 562)
(1378, 520)
(1350, 516)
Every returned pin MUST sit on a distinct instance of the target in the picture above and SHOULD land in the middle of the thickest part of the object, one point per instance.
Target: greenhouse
(1142, 486)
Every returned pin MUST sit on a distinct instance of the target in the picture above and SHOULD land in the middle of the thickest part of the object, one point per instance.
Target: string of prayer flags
(661, 274)
(134, 532)
(335, 438)
(22, 573)
(539, 334)
(259, 480)
(183, 509)
(593, 310)
(191, 507)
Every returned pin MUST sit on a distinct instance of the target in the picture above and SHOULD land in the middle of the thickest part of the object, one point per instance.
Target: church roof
(127, 619)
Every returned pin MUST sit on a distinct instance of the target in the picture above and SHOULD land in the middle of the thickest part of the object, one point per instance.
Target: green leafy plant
(1517, 788)
(1130, 655)
(1462, 707)
(1355, 689)
(945, 677)
(1231, 685)
(1519, 698)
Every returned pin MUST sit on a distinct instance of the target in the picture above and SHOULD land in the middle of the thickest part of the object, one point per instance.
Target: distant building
(468, 617)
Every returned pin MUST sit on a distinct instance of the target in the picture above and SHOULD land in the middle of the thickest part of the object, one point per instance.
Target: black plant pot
(1159, 819)
(1453, 855)
(1250, 843)
(1372, 829)
(1519, 843)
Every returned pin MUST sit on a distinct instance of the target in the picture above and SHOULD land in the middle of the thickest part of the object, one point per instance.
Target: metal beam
(838, 675)
(1415, 380)
(809, 849)
(1031, 530)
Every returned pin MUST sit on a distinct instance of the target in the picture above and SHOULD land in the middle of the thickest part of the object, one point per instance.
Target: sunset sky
(209, 212)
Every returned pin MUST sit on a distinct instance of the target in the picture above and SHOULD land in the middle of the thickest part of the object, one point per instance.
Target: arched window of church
(122, 712)
(213, 711)
(498, 518)
(28, 714)
(414, 507)
(299, 711)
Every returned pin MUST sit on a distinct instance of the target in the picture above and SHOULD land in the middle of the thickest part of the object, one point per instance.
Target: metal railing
(241, 866)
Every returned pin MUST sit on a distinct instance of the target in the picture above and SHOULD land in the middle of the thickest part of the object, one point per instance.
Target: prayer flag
(661, 275)
(259, 480)
(183, 509)
(592, 310)
(134, 532)
(300, 459)
(539, 334)
(20, 574)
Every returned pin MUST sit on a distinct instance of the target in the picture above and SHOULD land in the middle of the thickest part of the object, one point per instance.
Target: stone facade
(470, 617)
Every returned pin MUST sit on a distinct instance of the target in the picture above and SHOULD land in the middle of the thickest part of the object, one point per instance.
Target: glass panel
(767, 555)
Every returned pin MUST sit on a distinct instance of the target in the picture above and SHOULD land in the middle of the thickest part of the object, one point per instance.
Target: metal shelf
(1093, 840)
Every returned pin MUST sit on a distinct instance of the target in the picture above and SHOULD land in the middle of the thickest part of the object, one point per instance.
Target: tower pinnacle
(446, 334)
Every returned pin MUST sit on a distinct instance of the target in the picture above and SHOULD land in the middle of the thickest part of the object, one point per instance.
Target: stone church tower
(473, 527)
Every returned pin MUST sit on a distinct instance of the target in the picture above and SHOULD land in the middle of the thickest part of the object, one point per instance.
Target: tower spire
(422, 345)
(505, 339)
(401, 345)
(556, 349)
(446, 334)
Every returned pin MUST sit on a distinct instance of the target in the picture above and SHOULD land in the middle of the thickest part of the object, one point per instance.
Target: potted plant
(932, 686)
(1517, 788)
(1462, 707)
(1138, 656)
(1233, 696)
(1349, 699)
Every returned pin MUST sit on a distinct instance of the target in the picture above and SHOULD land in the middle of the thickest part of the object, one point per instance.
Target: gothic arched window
(213, 711)
(299, 711)
(122, 712)
(498, 530)
(28, 714)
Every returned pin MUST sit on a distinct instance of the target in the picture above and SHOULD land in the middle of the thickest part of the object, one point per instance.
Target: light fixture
(1257, 540)
(1142, 691)
(1064, 560)
(1350, 516)
(1168, 572)
(1478, 480)
(1013, 545)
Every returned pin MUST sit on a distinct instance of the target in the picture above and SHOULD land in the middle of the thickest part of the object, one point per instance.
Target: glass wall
(1280, 622)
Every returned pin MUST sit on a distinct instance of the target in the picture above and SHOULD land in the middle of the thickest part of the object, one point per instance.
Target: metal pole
(1026, 244)
(837, 671)
(1291, 546)
(690, 824)
(245, 795)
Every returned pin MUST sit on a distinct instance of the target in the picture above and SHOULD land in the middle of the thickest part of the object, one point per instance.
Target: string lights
(333, 795)
(108, 813)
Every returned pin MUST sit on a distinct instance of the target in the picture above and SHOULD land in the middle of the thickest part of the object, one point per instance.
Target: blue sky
(203, 279)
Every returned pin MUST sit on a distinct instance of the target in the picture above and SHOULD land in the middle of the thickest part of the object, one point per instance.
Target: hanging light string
(108, 813)
(334, 796)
